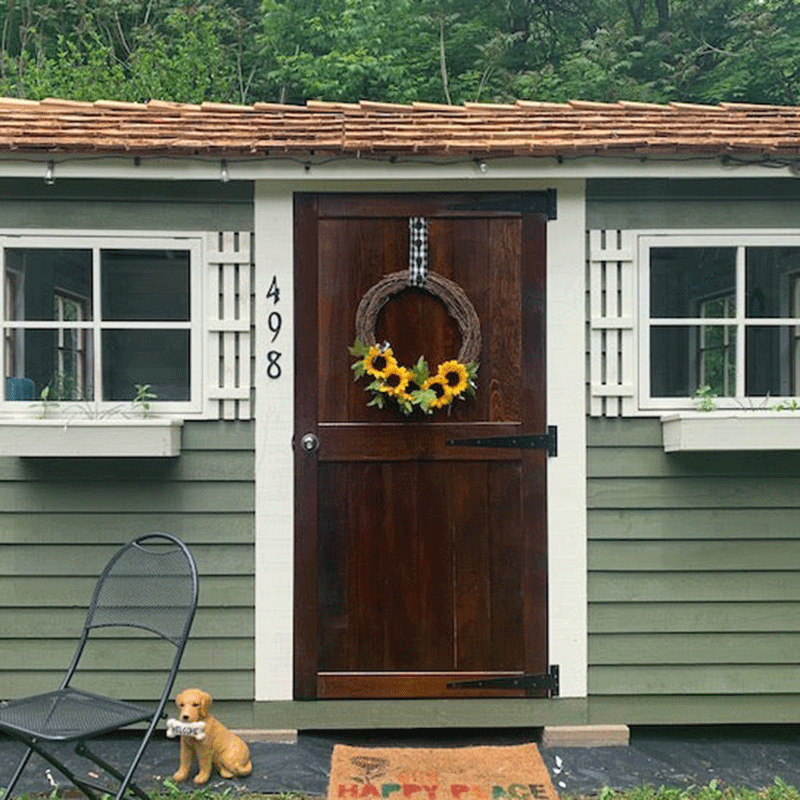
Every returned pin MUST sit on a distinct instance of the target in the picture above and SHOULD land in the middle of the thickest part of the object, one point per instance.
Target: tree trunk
(443, 62)
(636, 11)
(662, 9)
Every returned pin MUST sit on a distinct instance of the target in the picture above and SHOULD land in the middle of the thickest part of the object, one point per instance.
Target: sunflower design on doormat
(416, 387)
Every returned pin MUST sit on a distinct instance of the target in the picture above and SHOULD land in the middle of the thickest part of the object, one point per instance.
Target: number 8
(273, 367)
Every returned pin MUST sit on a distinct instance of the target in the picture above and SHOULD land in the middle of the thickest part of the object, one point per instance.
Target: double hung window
(87, 319)
(721, 316)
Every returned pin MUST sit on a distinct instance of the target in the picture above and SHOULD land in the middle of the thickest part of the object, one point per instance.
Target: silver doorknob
(310, 443)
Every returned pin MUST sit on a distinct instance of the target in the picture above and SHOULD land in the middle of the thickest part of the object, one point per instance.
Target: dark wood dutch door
(419, 563)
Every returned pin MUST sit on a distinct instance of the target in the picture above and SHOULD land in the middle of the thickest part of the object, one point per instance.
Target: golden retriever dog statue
(207, 738)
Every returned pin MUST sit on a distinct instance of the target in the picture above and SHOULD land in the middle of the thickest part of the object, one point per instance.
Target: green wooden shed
(559, 486)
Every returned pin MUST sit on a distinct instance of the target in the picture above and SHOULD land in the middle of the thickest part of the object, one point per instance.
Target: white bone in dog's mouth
(197, 730)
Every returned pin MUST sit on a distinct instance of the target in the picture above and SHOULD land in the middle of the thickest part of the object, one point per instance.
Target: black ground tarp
(735, 755)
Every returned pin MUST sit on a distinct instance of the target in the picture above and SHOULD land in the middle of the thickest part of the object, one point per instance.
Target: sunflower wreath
(416, 386)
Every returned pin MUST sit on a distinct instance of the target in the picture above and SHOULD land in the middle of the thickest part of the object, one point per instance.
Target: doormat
(459, 773)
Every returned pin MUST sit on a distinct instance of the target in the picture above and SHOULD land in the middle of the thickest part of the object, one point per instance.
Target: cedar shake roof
(382, 129)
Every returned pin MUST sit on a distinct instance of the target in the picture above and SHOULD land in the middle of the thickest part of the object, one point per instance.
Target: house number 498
(274, 322)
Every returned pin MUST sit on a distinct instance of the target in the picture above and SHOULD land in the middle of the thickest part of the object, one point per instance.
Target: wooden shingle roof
(523, 129)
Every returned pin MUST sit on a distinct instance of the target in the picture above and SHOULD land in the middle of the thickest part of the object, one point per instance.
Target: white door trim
(274, 503)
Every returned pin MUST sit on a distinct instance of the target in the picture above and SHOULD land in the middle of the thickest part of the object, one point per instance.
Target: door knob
(310, 443)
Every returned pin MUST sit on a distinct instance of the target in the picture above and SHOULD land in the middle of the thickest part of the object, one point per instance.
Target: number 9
(274, 322)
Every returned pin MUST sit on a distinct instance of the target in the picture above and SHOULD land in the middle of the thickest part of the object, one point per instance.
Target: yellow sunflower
(378, 360)
(411, 387)
(454, 376)
(395, 380)
(437, 385)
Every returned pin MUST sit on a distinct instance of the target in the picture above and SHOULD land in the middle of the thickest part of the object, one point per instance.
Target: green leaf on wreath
(424, 398)
(377, 400)
(420, 371)
(358, 370)
(358, 348)
(405, 406)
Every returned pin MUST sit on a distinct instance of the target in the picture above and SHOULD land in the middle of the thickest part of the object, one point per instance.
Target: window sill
(696, 431)
(91, 438)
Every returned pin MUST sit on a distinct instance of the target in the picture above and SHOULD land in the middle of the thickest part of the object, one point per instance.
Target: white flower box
(693, 431)
(59, 437)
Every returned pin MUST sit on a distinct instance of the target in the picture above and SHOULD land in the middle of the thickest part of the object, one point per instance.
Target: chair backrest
(151, 584)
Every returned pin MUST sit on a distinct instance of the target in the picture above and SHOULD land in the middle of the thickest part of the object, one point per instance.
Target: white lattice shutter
(612, 341)
(229, 281)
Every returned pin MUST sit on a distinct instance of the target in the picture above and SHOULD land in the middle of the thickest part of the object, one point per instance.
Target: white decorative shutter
(229, 281)
(612, 318)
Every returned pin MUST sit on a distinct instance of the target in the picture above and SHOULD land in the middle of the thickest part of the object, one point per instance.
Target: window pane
(686, 357)
(157, 357)
(58, 359)
(682, 279)
(38, 275)
(771, 274)
(145, 284)
(773, 355)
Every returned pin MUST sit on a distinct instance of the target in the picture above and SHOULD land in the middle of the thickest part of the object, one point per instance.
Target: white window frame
(794, 295)
(734, 238)
(82, 350)
(725, 348)
(194, 242)
(12, 291)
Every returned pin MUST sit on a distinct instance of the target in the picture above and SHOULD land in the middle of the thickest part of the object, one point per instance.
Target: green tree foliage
(340, 50)
(131, 50)
(442, 51)
(185, 60)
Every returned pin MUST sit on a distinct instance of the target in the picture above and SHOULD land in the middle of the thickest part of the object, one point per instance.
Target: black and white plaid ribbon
(418, 251)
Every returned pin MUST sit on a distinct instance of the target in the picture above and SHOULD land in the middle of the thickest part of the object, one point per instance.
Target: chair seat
(69, 714)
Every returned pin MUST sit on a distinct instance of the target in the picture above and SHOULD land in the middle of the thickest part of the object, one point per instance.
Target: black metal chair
(149, 585)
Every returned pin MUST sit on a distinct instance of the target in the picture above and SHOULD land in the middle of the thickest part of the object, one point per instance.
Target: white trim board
(274, 463)
(301, 169)
(566, 404)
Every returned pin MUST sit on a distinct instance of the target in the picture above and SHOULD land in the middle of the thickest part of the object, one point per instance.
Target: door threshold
(304, 715)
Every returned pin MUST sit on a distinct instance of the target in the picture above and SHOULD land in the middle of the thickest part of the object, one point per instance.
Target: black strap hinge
(534, 683)
(537, 441)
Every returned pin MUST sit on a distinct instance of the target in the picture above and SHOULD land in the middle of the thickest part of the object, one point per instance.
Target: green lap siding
(694, 581)
(657, 204)
(126, 205)
(60, 521)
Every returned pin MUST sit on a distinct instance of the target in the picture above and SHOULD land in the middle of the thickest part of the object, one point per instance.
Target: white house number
(274, 322)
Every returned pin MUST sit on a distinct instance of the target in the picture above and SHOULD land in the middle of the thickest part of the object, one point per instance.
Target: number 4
(274, 292)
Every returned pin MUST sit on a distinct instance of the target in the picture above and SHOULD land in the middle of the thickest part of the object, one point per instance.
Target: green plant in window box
(705, 398)
(48, 403)
(787, 405)
(142, 398)
(54, 391)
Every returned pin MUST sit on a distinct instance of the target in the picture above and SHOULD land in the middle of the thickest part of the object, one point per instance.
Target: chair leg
(125, 781)
(17, 774)
(92, 792)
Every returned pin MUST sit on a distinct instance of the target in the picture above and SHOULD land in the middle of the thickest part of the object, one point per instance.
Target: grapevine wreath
(416, 386)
